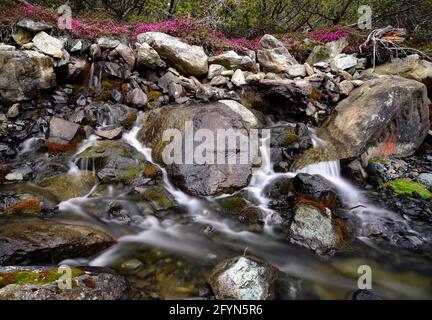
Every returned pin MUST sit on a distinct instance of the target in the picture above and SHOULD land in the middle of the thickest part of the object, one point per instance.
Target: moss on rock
(408, 187)
(67, 186)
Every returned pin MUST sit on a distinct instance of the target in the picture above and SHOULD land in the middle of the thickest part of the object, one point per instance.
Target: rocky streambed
(341, 180)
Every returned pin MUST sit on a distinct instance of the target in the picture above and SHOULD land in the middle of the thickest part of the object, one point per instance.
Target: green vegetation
(408, 187)
(34, 277)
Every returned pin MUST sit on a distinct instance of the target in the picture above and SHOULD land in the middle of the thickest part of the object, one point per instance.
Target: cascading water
(188, 239)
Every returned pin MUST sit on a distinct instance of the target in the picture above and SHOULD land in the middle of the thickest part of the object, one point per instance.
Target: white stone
(48, 44)
(238, 78)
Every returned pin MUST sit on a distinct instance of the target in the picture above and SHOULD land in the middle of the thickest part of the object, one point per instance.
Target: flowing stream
(182, 237)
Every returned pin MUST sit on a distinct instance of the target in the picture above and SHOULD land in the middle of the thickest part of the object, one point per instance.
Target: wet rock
(273, 56)
(99, 153)
(147, 57)
(33, 26)
(40, 241)
(189, 60)
(215, 70)
(137, 98)
(127, 54)
(316, 230)
(23, 74)
(66, 186)
(355, 171)
(238, 78)
(48, 44)
(63, 135)
(159, 198)
(114, 161)
(243, 278)
(202, 177)
(316, 187)
(110, 133)
(287, 143)
(238, 207)
(121, 169)
(231, 60)
(402, 124)
(24, 205)
(120, 115)
(44, 283)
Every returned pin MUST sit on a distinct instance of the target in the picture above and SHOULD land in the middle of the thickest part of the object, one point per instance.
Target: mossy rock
(101, 152)
(66, 186)
(407, 187)
(290, 138)
(313, 156)
(159, 198)
(239, 207)
(34, 277)
(121, 170)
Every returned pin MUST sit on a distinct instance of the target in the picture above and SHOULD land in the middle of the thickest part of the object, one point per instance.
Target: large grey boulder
(273, 56)
(23, 74)
(189, 60)
(386, 116)
(193, 176)
(243, 278)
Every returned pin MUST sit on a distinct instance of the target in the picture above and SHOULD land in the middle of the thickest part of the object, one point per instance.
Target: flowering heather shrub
(188, 29)
(329, 35)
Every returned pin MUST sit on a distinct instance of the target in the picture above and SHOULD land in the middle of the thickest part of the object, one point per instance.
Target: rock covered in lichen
(243, 278)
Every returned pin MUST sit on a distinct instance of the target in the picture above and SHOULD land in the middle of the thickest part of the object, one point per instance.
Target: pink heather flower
(29, 10)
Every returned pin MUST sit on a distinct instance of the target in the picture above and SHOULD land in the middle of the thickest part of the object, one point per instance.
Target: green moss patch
(408, 187)
(34, 277)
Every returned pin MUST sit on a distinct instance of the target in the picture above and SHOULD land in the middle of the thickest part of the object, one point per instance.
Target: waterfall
(95, 76)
